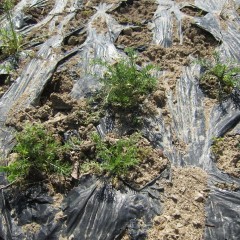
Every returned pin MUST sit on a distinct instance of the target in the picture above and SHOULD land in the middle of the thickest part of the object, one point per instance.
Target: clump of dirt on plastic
(196, 42)
(135, 12)
(75, 28)
(227, 153)
(16, 68)
(152, 163)
(80, 19)
(38, 13)
(210, 86)
(94, 3)
(135, 37)
(193, 11)
(100, 25)
(138, 14)
(184, 206)
(31, 227)
(228, 186)
(35, 15)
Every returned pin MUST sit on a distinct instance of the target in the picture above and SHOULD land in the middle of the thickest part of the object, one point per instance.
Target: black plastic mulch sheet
(95, 210)
(35, 214)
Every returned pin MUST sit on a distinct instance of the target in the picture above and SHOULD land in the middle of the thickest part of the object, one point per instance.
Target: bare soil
(193, 11)
(184, 202)
(196, 43)
(38, 13)
(138, 14)
(185, 195)
(149, 168)
(227, 154)
(136, 37)
(135, 12)
(80, 19)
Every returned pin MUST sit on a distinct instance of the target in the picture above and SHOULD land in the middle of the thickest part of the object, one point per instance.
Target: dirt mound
(184, 195)
(227, 154)
(184, 202)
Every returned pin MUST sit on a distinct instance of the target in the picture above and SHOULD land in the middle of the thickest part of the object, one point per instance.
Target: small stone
(174, 197)
(176, 230)
(90, 126)
(71, 237)
(179, 225)
(75, 170)
(12, 158)
(86, 146)
(159, 98)
(150, 26)
(73, 40)
(182, 190)
(160, 153)
(176, 214)
(157, 220)
(28, 109)
(22, 118)
(127, 31)
(197, 224)
(199, 197)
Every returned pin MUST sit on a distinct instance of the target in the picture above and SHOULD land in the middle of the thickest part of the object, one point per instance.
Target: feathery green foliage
(227, 75)
(37, 150)
(115, 158)
(124, 84)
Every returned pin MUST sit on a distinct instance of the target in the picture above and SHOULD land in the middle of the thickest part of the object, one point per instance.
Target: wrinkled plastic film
(187, 110)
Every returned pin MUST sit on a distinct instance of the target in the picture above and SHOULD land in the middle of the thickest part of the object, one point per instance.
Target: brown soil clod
(62, 82)
(195, 36)
(196, 42)
(153, 162)
(193, 11)
(227, 153)
(100, 25)
(184, 197)
(81, 17)
(38, 13)
(135, 37)
(135, 12)
(210, 86)
(61, 102)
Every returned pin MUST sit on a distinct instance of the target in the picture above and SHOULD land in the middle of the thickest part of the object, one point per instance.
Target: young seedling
(114, 158)
(223, 77)
(124, 84)
(37, 152)
(10, 40)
